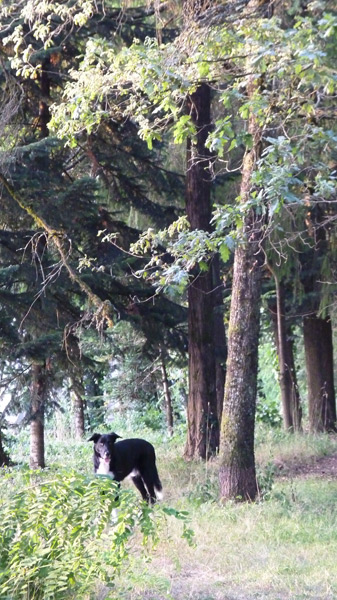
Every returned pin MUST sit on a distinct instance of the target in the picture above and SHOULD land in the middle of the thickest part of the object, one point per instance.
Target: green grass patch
(284, 548)
(281, 548)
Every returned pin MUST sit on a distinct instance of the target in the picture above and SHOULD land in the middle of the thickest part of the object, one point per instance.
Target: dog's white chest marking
(104, 468)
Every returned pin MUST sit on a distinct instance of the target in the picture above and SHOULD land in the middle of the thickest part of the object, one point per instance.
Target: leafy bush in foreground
(56, 537)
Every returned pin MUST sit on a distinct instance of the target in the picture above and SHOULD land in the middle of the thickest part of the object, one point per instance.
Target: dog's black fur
(134, 457)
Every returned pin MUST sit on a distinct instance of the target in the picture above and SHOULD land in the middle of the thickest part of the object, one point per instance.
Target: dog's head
(103, 444)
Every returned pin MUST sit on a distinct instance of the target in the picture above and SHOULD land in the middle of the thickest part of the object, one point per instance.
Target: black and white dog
(132, 457)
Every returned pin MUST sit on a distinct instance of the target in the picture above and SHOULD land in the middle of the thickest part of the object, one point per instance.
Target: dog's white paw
(159, 494)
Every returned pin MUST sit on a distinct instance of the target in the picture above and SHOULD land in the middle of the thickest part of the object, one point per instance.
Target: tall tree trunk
(237, 463)
(237, 474)
(219, 335)
(167, 394)
(290, 398)
(318, 346)
(38, 398)
(203, 424)
(317, 331)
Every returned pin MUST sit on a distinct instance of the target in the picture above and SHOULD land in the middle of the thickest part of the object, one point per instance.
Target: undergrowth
(282, 547)
(59, 536)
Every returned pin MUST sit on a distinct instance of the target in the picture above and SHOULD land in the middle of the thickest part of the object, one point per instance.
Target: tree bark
(290, 398)
(38, 399)
(318, 346)
(4, 458)
(77, 393)
(237, 462)
(317, 331)
(77, 387)
(203, 424)
(167, 395)
(237, 474)
(219, 335)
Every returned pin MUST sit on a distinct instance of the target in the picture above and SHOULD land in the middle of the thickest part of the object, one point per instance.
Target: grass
(282, 548)
(288, 450)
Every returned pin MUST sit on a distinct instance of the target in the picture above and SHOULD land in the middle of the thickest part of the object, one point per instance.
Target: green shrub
(55, 539)
(268, 411)
(152, 417)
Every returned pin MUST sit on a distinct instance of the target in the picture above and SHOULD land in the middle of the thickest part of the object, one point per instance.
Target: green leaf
(224, 252)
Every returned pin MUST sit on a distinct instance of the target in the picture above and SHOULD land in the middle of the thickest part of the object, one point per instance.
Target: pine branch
(59, 239)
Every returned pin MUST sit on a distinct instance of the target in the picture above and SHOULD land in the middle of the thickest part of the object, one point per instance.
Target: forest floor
(282, 548)
(324, 466)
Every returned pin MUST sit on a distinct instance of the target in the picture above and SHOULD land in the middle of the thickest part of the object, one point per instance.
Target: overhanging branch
(59, 237)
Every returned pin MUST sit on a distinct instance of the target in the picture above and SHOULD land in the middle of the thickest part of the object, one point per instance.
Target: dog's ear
(94, 438)
(114, 436)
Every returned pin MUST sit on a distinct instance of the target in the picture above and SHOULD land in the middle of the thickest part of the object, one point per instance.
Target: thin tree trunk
(167, 395)
(219, 335)
(77, 387)
(203, 424)
(4, 458)
(290, 398)
(318, 346)
(38, 399)
(295, 393)
(77, 393)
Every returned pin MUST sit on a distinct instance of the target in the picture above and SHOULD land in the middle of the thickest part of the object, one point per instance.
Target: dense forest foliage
(168, 210)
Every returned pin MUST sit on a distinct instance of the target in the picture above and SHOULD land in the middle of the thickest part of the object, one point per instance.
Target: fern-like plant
(59, 538)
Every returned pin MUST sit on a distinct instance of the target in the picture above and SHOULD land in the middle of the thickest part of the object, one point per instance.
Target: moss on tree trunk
(237, 461)
(237, 466)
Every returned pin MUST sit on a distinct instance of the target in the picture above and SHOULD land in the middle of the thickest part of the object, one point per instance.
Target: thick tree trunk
(203, 424)
(290, 397)
(237, 463)
(38, 399)
(167, 395)
(237, 474)
(317, 331)
(318, 346)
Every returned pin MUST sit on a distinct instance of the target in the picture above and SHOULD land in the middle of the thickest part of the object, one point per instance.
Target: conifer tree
(61, 198)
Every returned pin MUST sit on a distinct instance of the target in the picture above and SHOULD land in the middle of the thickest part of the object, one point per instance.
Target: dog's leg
(137, 480)
(148, 481)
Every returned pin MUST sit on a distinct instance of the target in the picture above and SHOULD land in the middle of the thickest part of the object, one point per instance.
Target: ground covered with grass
(282, 547)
